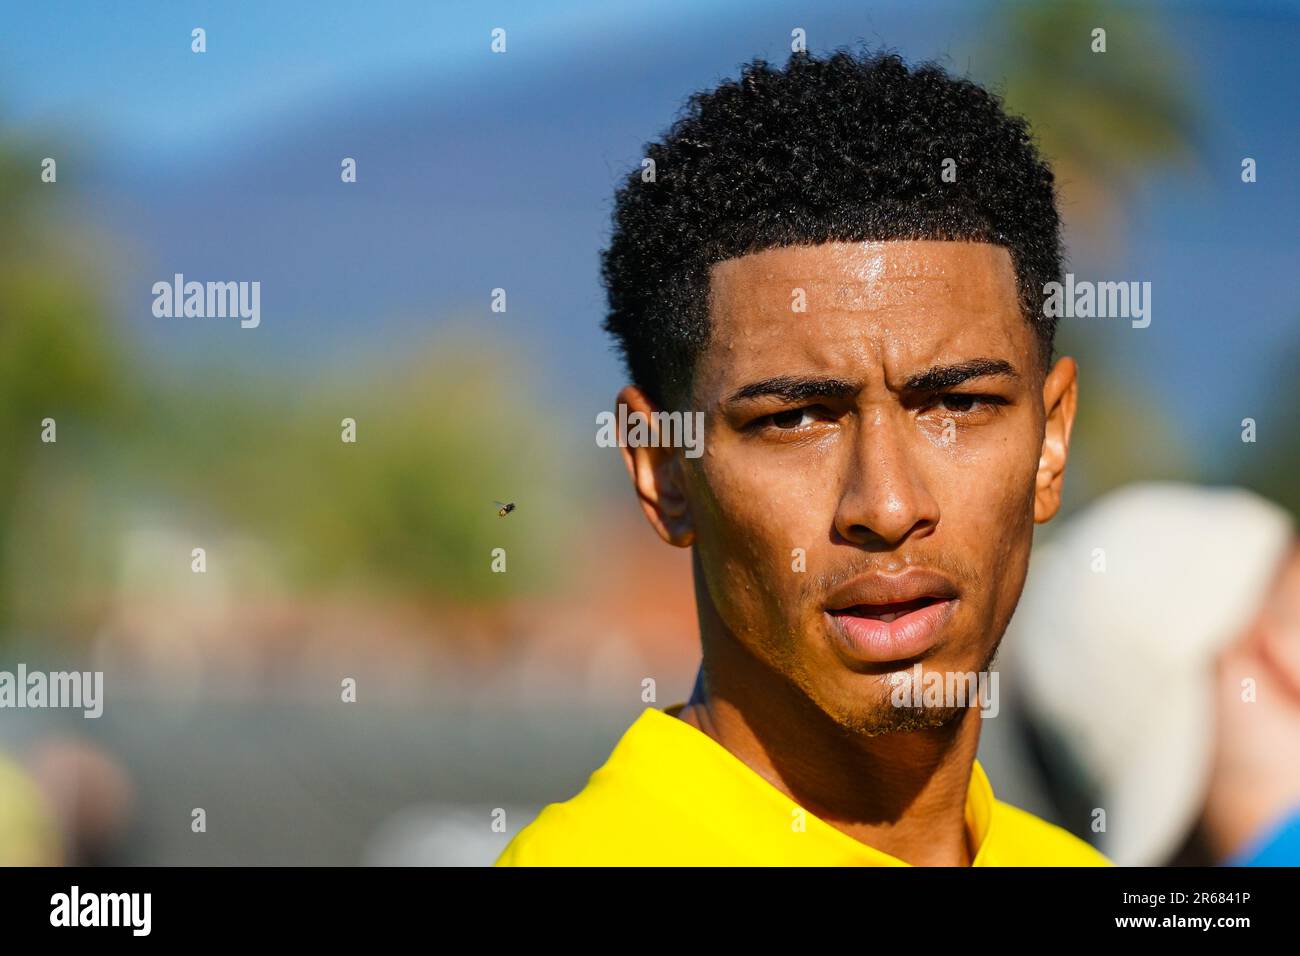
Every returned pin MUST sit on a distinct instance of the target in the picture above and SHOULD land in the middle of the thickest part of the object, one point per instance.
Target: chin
(864, 703)
(881, 717)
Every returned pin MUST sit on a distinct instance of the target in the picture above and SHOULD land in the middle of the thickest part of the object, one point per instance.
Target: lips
(876, 590)
(887, 612)
(879, 618)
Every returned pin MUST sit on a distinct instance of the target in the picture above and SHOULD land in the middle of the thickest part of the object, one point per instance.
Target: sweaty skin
(876, 477)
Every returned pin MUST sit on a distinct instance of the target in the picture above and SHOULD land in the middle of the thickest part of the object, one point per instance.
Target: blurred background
(325, 560)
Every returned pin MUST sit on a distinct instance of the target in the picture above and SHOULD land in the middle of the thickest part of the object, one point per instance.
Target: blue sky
(126, 68)
(477, 171)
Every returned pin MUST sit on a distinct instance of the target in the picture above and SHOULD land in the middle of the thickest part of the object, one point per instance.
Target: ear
(1060, 395)
(657, 476)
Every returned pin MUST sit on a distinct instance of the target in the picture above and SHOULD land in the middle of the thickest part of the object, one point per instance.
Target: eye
(958, 403)
(790, 421)
(792, 418)
(962, 403)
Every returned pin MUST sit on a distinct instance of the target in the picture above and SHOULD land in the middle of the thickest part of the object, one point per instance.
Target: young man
(840, 265)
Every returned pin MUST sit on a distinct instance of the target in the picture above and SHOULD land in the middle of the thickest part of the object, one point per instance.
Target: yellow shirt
(670, 795)
(29, 835)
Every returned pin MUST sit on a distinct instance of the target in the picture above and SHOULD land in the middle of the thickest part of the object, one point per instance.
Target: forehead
(896, 304)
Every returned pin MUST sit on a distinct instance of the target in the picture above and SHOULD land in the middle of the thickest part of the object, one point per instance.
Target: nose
(886, 496)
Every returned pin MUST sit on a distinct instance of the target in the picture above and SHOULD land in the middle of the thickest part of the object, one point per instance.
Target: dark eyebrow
(794, 388)
(946, 376)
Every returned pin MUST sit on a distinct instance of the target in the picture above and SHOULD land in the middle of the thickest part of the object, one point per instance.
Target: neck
(902, 793)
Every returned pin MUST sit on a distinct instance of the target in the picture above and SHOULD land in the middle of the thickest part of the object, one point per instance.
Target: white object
(1115, 639)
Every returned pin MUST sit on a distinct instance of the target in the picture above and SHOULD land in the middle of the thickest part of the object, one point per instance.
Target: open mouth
(887, 613)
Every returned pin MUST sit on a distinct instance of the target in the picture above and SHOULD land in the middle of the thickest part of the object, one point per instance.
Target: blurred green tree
(1104, 120)
(59, 359)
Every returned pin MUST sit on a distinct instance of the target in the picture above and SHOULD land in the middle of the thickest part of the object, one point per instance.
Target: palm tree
(1104, 120)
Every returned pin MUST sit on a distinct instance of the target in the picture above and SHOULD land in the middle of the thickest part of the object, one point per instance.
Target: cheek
(766, 505)
(989, 490)
(748, 521)
(987, 505)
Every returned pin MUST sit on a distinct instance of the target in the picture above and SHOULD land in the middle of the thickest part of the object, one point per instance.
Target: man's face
(894, 426)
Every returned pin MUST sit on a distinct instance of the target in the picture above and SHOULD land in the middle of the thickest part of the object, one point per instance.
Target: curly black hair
(850, 148)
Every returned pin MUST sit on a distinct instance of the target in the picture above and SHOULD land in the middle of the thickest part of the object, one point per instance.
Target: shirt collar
(691, 771)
